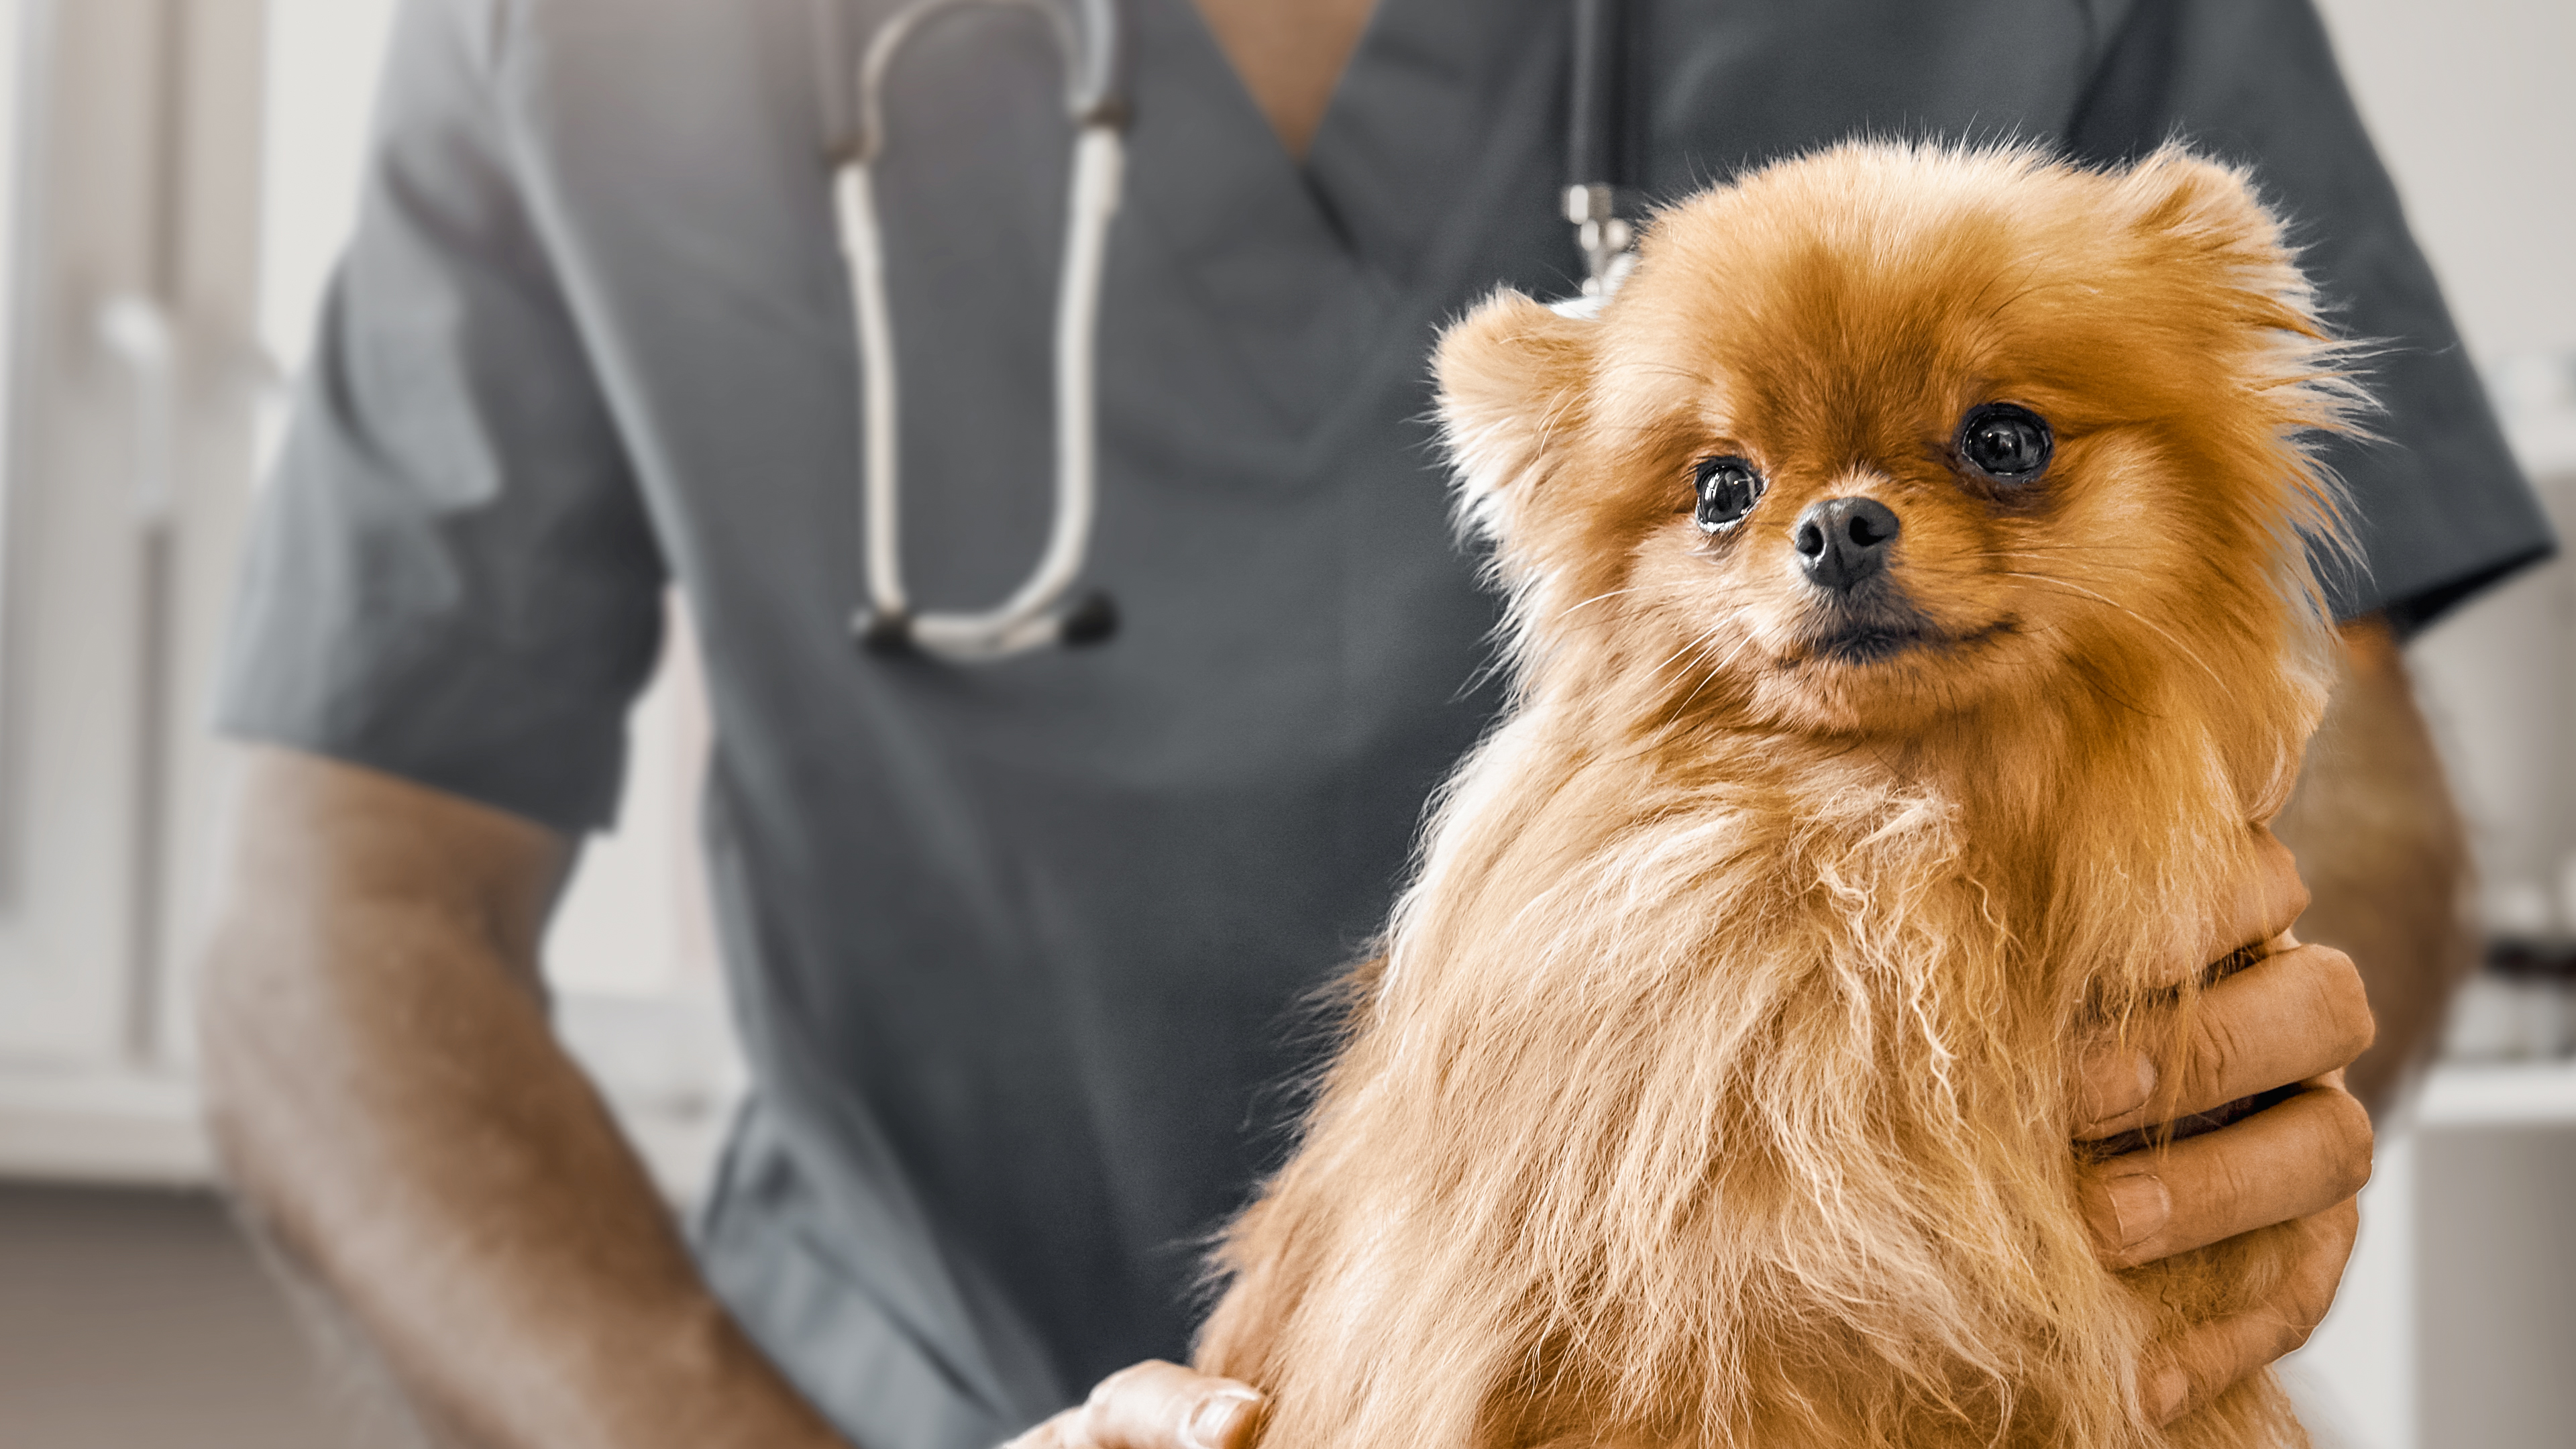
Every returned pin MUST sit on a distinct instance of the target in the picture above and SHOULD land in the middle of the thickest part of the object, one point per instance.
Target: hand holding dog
(2298, 1016)
(1154, 1405)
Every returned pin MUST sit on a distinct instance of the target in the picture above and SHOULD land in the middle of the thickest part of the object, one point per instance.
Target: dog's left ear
(2258, 318)
(2191, 198)
(2203, 211)
(1511, 376)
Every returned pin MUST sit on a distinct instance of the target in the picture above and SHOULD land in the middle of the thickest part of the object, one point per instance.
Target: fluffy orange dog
(1912, 632)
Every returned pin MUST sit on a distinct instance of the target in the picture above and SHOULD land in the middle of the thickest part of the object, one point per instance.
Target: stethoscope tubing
(1035, 614)
(1031, 617)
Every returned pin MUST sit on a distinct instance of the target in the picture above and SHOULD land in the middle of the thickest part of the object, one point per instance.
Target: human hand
(2290, 1021)
(1154, 1405)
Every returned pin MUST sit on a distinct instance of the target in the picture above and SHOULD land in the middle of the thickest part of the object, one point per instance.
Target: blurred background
(175, 177)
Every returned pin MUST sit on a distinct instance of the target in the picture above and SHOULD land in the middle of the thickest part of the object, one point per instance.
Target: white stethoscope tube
(1035, 614)
(1031, 617)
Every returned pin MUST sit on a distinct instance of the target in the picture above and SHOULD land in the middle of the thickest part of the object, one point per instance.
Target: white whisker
(2161, 632)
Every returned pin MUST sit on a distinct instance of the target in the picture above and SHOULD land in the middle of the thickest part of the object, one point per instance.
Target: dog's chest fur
(1722, 1109)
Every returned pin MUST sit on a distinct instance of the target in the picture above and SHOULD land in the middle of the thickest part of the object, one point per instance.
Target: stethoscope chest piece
(1091, 619)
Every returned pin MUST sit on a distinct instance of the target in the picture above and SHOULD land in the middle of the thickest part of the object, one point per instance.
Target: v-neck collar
(1307, 263)
(1217, 208)
(1402, 129)
(1402, 117)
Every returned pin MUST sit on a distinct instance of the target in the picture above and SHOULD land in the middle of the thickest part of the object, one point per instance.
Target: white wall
(2473, 104)
(2459, 1318)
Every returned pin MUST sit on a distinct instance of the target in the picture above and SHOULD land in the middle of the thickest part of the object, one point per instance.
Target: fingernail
(2140, 1203)
(1219, 1419)
(2110, 1112)
(2166, 1394)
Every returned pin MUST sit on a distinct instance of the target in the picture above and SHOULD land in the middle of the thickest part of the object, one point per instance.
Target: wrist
(704, 1384)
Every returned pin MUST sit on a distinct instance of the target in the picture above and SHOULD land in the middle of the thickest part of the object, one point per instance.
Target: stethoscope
(1039, 613)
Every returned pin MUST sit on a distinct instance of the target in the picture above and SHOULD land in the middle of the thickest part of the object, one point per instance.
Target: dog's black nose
(1844, 540)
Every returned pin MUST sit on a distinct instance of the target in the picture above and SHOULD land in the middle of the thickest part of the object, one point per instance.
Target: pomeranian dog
(1912, 629)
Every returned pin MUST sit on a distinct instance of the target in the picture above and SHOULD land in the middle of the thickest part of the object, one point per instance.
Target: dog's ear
(2173, 192)
(1511, 376)
(2189, 208)
(2251, 318)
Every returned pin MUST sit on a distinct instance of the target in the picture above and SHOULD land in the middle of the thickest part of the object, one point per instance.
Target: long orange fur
(1712, 1086)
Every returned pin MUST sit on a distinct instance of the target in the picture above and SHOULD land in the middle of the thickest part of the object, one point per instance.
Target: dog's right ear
(1512, 377)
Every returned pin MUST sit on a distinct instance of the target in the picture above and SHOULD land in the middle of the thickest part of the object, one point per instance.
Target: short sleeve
(451, 576)
(2442, 509)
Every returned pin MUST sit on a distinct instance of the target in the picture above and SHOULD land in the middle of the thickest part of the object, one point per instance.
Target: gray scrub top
(1019, 950)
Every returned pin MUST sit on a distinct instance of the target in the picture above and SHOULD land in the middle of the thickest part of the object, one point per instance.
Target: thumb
(1157, 1405)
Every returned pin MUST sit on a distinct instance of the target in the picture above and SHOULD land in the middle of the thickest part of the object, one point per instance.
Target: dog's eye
(2006, 442)
(1727, 488)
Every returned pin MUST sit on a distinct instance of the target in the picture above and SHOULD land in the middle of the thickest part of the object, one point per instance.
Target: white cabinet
(133, 150)
(185, 172)
(2458, 1315)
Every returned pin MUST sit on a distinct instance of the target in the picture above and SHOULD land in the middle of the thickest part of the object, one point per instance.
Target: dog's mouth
(1876, 629)
(1863, 645)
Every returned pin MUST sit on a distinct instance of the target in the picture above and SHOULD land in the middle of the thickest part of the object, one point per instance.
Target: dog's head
(1883, 433)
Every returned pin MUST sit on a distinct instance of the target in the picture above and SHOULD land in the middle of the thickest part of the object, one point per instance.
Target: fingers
(1157, 1405)
(2287, 1162)
(2197, 1366)
(2291, 1016)
(2267, 901)
(1154, 1405)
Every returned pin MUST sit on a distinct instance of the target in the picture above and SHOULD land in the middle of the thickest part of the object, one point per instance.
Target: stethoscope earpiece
(1092, 620)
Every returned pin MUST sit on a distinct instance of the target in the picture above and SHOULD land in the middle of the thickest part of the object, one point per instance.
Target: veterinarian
(1016, 948)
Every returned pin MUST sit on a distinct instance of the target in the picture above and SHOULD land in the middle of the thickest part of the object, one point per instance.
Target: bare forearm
(388, 1095)
(2380, 845)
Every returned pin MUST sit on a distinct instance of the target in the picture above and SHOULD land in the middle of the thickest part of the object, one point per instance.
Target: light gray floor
(139, 1320)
